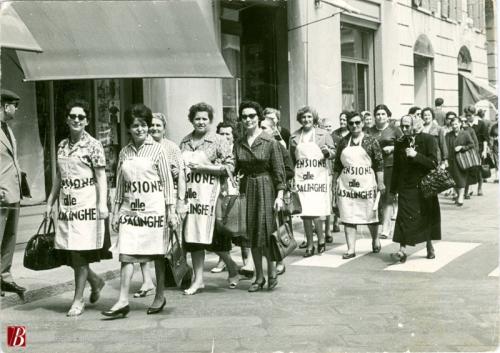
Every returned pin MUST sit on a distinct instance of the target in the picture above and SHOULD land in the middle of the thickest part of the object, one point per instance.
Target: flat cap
(9, 96)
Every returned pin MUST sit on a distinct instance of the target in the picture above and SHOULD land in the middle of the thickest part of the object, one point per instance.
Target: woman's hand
(444, 164)
(181, 209)
(381, 187)
(48, 211)
(172, 219)
(388, 149)
(484, 154)
(458, 148)
(174, 171)
(115, 223)
(278, 204)
(410, 152)
(325, 150)
(102, 212)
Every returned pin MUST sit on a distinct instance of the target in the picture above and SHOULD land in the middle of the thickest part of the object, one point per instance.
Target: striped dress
(264, 174)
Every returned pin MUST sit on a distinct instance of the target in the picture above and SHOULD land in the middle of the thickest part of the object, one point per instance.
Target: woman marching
(358, 176)
(208, 158)
(81, 190)
(144, 206)
(418, 219)
(258, 158)
(310, 147)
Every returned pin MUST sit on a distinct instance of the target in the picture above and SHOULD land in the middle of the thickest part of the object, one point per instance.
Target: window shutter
(482, 15)
(433, 5)
(445, 8)
(458, 10)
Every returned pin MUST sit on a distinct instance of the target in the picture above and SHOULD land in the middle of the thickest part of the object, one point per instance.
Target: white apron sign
(142, 214)
(357, 187)
(311, 179)
(78, 226)
(202, 191)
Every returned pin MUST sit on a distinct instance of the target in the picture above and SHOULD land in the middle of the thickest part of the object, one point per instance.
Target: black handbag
(292, 203)
(282, 241)
(438, 180)
(40, 254)
(485, 169)
(178, 273)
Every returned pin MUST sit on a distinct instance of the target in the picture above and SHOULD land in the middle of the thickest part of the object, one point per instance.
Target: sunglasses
(405, 126)
(352, 123)
(251, 116)
(77, 116)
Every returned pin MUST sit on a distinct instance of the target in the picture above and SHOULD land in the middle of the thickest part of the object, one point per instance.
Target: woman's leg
(126, 272)
(350, 237)
(460, 197)
(198, 258)
(160, 283)
(373, 228)
(257, 260)
(219, 267)
(147, 279)
(387, 210)
(479, 182)
(309, 232)
(81, 274)
(226, 258)
(328, 236)
(318, 224)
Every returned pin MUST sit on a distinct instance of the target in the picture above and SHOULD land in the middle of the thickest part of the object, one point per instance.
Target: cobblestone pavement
(321, 304)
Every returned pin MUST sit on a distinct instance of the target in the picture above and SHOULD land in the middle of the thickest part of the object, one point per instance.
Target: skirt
(221, 241)
(138, 258)
(77, 258)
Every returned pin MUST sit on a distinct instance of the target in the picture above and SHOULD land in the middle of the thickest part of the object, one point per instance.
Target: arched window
(464, 60)
(423, 56)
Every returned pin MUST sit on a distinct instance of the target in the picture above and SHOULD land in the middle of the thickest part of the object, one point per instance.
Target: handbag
(234, 214)
(468, 159)
(485, 169)
(282, 241)
(292, 203)
(178, 273)
(438, 180)
(40, 253)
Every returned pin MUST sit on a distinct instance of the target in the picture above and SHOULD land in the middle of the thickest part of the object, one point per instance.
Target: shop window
(231, 87)
(357, 68)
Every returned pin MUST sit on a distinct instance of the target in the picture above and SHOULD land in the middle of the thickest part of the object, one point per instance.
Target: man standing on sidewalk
(10, 191)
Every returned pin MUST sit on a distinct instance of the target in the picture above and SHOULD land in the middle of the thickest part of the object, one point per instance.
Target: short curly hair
(382, 107)
(352, 114)
(308, 109)
(139, 111)
(251, 104)
(78, 102)
(428, 109)
(201, 107)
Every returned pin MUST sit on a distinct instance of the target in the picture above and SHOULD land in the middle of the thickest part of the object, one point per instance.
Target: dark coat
(418, 219)
(465, 140)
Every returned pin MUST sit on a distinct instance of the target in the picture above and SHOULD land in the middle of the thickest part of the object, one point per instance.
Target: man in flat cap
(10, 191)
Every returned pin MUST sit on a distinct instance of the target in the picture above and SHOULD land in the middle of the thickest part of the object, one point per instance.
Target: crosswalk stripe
(445, 253)
(495, 272)
(333, 258)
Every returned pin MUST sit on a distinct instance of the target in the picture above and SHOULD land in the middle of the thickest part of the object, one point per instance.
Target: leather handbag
(40, 253)
(438, 180)
(292, 205)
(282, 241)
(178, 273)
(485, 170)
(468, 159)
(234, 214)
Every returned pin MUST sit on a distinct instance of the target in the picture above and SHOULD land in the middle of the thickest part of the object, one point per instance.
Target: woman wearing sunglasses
(81, 190)
(418, 220)
(311, 148)
(358, 177)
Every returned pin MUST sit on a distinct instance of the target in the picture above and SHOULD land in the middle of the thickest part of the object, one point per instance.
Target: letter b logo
(16, 336)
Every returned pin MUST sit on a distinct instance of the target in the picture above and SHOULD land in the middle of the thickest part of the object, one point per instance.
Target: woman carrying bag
(81, 189)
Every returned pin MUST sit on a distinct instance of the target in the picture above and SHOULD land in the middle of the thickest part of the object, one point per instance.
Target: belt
(256, 174)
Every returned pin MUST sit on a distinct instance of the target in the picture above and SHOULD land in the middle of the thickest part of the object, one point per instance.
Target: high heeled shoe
(191, 291)
(309, 252)
(273, 282)
(347, 256)
(152, 310)
(399, 257)
(123, 311)
(430, 253)
(141, 293)
(321, 248)
(376, 247)
(76, 310)
(233, 281)
(256, 286)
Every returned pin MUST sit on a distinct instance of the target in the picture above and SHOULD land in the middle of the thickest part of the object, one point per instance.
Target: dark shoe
(430, 253)
(479, 193)
(336, 229)
(12, 287)
(280, 269)
(118, 312)
(246, 273)
(329, 239)
(321, 248)
(460, 204)
(273, 282)
(95, 294)
(152, 310)
(348, 256)
(383, 236)
(376, 248)
(467, 197)
(303, 245)
(256, 286)
(309, 253)
(141, 293)
(399, 257)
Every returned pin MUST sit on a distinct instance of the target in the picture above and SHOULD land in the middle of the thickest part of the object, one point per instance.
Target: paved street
(322, 304)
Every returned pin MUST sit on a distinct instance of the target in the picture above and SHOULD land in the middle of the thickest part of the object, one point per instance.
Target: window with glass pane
(356, 47)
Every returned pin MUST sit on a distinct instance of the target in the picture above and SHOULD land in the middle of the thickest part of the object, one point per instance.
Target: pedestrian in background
(415, 111)
(209, 159)
(386, 134)
(481, 132)
(258, 158)
(144, 207)
(310, 148)
(418, 219)
(80, 187)
(342, 131)
(358, 177)
(439, 113)
(275, 115)
(368, 122)
(493, 133)
(10, 191)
